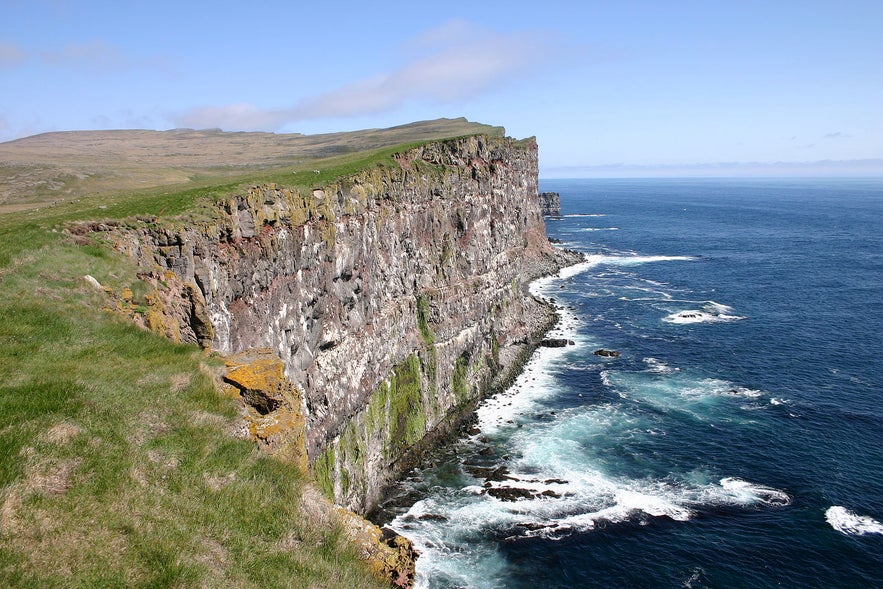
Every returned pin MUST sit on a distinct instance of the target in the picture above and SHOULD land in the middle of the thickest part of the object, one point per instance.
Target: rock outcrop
(550, 204)
(273, 405)
(394, 297)
(606, 353)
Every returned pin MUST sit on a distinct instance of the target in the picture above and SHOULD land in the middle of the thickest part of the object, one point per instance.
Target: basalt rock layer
(395, 297)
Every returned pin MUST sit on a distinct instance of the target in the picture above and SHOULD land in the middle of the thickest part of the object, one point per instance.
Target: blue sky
(625, 88)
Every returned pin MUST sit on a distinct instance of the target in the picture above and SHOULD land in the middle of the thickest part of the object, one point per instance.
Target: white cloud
(451, 63)
(233, 117)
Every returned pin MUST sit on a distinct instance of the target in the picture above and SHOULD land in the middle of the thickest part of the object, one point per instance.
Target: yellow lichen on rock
(390, 556)
(261, 370)
(274, 406)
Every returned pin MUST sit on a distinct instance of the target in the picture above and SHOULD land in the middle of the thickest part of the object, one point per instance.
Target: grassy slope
(118, 466)
(61, 167)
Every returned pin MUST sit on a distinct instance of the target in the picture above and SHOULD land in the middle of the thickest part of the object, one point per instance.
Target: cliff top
(58, 167)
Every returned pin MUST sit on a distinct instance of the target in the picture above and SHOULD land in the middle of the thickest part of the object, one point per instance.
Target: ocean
(737, 439)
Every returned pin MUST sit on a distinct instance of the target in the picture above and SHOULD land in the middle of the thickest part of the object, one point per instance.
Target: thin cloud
(102, 57)
(92, 54)
(452, 63)
(96, 56)
(858, 167)
(837, 135)
(11, 54)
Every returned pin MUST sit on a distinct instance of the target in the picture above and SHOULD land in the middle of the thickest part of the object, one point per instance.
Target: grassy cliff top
(59, 167)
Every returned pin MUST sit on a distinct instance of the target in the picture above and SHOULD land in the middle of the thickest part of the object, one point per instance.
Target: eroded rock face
(394, 297)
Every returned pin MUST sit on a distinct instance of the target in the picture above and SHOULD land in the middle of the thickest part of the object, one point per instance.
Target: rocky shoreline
(439, 445)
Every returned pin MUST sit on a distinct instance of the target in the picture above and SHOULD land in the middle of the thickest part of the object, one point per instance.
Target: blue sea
(737, 439)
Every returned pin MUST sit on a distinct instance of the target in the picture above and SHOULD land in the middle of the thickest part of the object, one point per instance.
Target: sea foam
(711, 312)
(851, 524)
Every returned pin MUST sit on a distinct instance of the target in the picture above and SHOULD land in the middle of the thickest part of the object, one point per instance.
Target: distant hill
(55, 167)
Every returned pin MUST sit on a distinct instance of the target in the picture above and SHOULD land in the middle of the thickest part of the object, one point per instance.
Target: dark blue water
(737, 441)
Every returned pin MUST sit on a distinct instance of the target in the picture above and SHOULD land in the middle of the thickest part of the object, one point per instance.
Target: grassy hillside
(60, 167)
(119, 466)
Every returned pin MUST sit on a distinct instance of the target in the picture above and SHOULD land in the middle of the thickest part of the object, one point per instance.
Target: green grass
(118, 467)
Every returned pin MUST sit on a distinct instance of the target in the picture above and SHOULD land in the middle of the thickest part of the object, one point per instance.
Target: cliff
(394, 296)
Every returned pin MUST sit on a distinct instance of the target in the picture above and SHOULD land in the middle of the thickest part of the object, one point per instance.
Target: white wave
(600, 229)
(653, 290)
(564, 273)
(633, 259)
(847, 522)
(534, 383)
(739, 392)
(711, 312)
(671, 389)
(605, 379)
(718, 307)
(740, 492)
(658, 366)
(592, 260)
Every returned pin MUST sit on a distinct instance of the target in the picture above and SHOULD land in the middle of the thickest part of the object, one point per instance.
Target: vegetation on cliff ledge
(119, 461)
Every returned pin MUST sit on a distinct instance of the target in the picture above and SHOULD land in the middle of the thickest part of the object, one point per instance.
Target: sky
(622, 88)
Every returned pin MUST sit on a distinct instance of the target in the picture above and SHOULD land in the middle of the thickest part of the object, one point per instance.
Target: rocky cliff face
(394, 297)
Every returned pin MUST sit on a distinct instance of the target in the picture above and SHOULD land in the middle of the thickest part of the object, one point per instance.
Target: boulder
(607, 353)
(509, 493)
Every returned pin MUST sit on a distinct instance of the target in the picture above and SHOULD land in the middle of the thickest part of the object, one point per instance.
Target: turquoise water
(737, 441)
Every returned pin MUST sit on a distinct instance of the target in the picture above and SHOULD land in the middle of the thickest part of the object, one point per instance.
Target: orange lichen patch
(389, 557)
(259, 374)
(274, 414)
